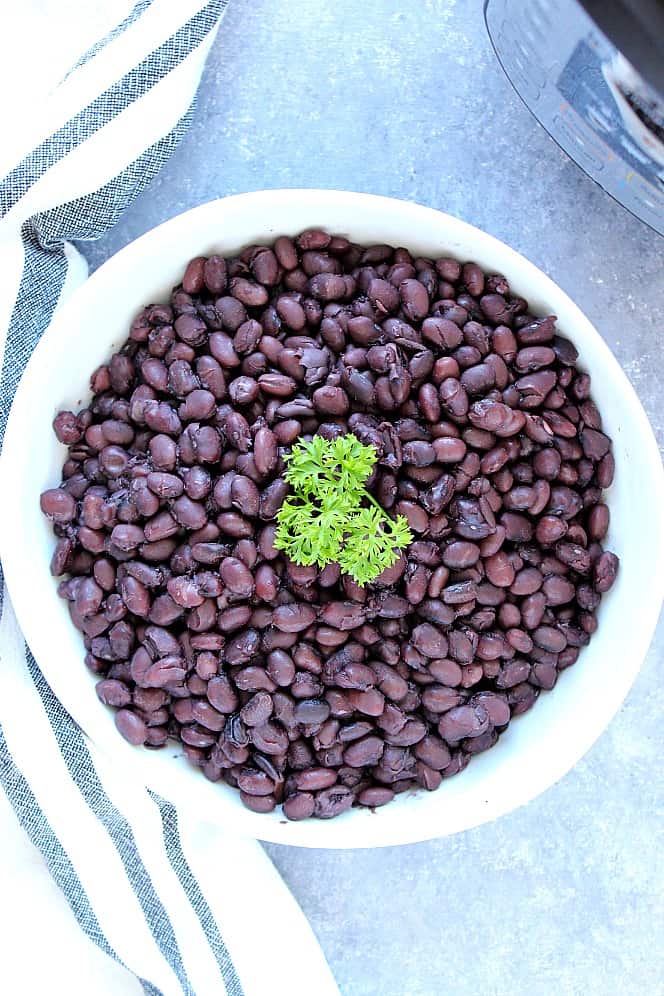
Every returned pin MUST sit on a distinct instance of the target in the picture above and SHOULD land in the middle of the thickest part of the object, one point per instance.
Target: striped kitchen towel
(140, 895)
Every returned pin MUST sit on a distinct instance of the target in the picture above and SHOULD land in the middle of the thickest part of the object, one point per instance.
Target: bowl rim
(353, 829)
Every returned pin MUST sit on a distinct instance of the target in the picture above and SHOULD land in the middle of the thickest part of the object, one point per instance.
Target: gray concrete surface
(562, 897)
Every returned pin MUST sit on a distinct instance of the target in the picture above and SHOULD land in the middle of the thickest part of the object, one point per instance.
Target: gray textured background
(406, 99)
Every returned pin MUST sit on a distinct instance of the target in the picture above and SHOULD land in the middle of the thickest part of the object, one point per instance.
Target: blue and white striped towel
(141, 895)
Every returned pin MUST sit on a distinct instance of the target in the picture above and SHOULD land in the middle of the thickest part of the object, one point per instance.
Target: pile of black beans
(294, 684)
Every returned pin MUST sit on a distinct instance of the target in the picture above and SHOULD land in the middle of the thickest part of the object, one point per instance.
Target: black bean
(499, 570)
(258, 803)
(269, 739)
(265, 451)
(333, 801)
(375, 796)
(255, 783)
(58, 505)
(473, 278)
(439, 495)
(598, 521)
(214, 275)
(236, 576)
(131, 726)
(161, 417)
(549, 638)
(66, 428)
(113, 692)
(461, 554)
(192, 281)
(364, 752)
(343, 615)
(245, 496)
(463, 721)
(605, 571)
(330, 400)
(299, 806)
(291, 312)
(419, 453)
(605, 470)
(327, 287)
(286, 253)
(414, 299)
(429, 640)
(293, 618)
(311, 712)
(222, 695)
(314, 779)
(164, 485)
(165, 671)
(257, 710)
(127, 537)
(574, 555)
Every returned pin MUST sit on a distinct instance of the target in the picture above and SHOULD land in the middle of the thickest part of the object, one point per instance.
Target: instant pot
(592, 73)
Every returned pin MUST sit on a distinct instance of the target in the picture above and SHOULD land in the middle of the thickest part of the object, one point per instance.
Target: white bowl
(539, 747)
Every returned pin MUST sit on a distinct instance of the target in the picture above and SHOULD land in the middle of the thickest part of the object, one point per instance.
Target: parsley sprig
(330, 516)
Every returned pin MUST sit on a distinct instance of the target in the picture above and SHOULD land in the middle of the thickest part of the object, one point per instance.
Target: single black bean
(131, 726)
(605, 571)
(293, 618)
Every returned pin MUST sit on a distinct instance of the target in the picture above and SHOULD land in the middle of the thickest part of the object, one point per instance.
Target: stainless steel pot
(603, 104)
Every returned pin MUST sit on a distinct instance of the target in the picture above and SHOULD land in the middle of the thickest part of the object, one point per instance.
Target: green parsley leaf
(325, 520)
(310, 532)
(324, 465)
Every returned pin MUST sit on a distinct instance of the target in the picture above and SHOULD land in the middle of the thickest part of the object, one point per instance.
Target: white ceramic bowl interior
(538, 748)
